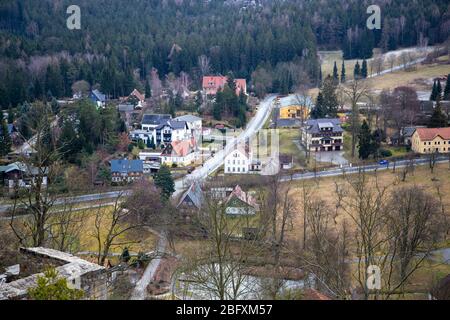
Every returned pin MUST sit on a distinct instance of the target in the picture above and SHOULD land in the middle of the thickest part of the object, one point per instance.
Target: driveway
(334, 157)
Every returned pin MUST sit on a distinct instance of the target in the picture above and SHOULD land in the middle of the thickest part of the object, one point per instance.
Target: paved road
(211, 165)
(367, 168)
(140, 290)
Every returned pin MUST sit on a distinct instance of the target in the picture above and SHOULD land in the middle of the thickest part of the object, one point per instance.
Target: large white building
(239, 161)
(323, 135)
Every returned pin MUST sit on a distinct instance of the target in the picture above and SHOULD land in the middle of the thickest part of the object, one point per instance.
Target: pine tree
(357, 71)
(343, 72)
(366, 141)
(148, 90)
(5, 139)
(335, 73)
(320, 77)
(163, 180)
(433, 92)
(364, 71)
(10, 115)
(447, 89)
(438, 119)
(318, 111)
(438, 90)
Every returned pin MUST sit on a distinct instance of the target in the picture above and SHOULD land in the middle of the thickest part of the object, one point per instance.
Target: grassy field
(287, 146)
(419, 78)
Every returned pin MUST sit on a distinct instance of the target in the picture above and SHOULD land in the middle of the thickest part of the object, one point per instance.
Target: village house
(80, 274)
(240, 202)
(323, 135)
(126, 171)
(431, 140)
(98, 98)
(160, 130)
(194, 125)
(212, 84)
(180, 153)
(235, 200)
(404, 137)
(239, 161)
(135, 101)
(19, 175)
(291, 108)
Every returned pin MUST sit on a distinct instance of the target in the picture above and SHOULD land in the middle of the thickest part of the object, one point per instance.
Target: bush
(385, 153)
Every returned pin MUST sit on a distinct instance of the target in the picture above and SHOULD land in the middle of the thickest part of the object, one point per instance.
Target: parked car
(383, 163)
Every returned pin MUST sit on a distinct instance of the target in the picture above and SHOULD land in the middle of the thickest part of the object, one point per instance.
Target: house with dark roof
(151, 121)
(323, 135)
(20, 175)
(404, 137)
(98, 98)
(126, 171)
(192, 198)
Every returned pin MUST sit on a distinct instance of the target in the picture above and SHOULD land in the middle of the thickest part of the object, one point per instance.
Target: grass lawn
(287, 146)
(418, 78)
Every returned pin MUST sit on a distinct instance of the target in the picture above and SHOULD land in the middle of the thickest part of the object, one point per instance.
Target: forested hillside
(121, 41)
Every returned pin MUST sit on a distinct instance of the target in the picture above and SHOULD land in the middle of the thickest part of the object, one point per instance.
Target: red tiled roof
(138, 95)
(243, 196)
(428, 134)
(311, 294)
(213, 83)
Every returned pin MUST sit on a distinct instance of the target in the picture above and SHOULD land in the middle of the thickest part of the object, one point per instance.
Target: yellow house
(431, 140)
(291, 108)
(294, 112)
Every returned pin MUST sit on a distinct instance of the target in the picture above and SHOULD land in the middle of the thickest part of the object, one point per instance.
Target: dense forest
(272, 43)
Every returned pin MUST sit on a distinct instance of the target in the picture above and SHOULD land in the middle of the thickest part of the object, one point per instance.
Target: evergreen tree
(320, 77)
(5, 139)
(447, 89)
(335, 73)
(318, 111)
(163, 180)
(148, 90)
(438, 90)
(439, 118)
(343, 76)
(433, 92)
(367, 144)
(330, 101)
(357, 71)
(364, 71)
(10, 115)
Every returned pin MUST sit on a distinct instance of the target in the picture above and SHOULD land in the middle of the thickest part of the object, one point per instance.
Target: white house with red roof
(180, 153)
(212, 84)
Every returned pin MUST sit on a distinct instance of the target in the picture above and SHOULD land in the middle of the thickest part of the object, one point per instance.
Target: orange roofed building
(212, 84)
(431, 140)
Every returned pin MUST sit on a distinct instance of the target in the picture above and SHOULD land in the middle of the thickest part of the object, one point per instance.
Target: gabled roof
(243, 196)
(20, 166)
(98, 96)
(429, 134)
(188, 118)
(126, 166)
(314, 125)
(195, 194)
(155, 119)
(178, 124)
(137, 94)
(179, 148)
